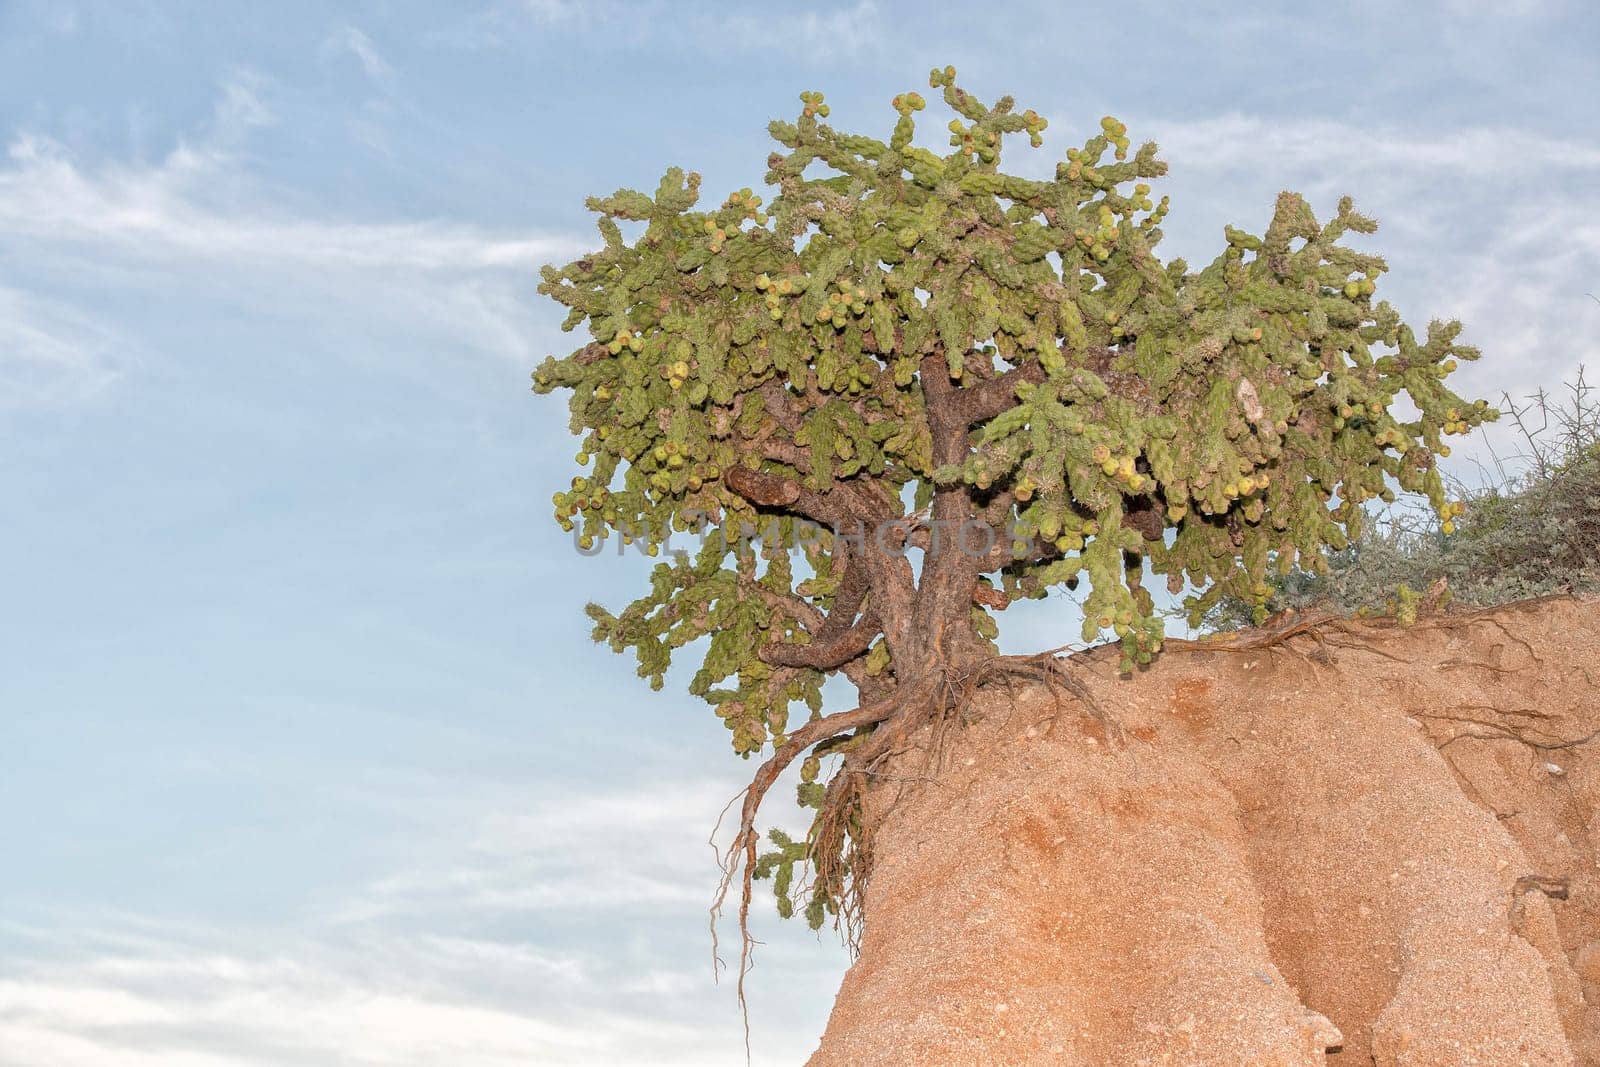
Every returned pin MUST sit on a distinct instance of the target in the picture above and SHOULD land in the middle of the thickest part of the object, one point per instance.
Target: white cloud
(814, 32)
(560, 854)
(1236, 139)
(159, 215)
(63, 20)
(1492, 226)
(557, 11)
(239, 110)
(330, 1007)
(1503, 10)
(840, 31)
(351, 40)
(52, 354)
(439, 973)
(194, 226)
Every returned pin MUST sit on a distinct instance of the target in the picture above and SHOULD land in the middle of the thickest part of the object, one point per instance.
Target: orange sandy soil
(1366, 845)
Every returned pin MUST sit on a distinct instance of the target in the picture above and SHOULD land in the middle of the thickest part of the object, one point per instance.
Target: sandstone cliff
(1362, 845)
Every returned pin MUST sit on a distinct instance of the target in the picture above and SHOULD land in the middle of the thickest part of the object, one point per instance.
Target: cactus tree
(936, 387)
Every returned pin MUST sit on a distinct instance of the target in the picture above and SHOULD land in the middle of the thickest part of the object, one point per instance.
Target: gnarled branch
(826, 654)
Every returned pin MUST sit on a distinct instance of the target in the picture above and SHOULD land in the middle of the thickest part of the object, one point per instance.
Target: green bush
(1526, 534)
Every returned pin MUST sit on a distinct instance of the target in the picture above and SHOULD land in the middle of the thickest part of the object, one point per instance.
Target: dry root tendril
(916, 715)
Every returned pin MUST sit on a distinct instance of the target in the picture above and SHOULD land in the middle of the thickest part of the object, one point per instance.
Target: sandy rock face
(1364, 846)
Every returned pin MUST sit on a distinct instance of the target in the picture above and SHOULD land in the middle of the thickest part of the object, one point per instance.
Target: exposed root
(742, 853)
(1500, 732)
(1255, 640)
(1055, 674)
(871, 736)
(1282, 628)
(1461, 664)
(1362, 646)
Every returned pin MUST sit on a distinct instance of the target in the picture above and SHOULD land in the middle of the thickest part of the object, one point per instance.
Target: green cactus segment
(1134, 416)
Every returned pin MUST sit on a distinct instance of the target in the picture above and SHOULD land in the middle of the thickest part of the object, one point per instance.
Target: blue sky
(305, 756)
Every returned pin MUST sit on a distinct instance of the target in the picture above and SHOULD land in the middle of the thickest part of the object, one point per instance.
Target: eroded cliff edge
(1364, 844)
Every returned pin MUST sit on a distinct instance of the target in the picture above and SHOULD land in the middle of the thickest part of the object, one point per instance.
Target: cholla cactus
(913, 349)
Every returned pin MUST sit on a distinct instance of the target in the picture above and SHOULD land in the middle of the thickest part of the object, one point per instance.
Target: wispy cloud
(159, 214)
(1508, 10)
(560, 854)
(827, 31)
(841, 31)
(169, 212)
(1512, 266)
(555, 12)
(444, 962)
(348, 40)
(377, 1002)
(51, 354)
(1336, 149)
(197, 222)
(241, 107)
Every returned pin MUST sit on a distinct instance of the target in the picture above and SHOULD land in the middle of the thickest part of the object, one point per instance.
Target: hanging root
(870, 737)
(741, 857)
